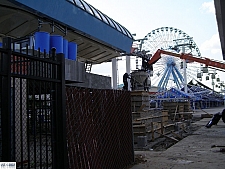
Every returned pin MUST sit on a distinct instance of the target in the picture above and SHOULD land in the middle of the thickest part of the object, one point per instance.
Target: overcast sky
(194, 17)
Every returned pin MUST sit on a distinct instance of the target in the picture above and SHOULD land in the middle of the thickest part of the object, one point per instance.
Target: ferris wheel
(169, 71)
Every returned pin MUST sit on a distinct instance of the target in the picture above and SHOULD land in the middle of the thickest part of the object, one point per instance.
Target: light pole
(185, 71)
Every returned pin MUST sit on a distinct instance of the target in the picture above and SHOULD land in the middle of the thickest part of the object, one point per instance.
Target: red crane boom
(188, 57)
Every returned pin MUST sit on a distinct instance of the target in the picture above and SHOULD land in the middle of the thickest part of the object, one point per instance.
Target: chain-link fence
(99, 128)
(32, 116)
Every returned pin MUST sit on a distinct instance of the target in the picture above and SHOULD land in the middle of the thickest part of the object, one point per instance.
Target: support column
(128, 70)
(114, 73)
(185, 72)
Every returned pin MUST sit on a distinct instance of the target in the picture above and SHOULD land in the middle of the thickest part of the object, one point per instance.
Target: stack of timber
(151, 123)
(172, 106)
(178, 111)
(155, 123)
(138, 99)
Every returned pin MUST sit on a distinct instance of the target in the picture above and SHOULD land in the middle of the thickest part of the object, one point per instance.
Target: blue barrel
(56, 41)
(65, 48)
(42, 40)
(72, 50)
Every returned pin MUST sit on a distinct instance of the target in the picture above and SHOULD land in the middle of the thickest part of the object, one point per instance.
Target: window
(87, 7)
(79, 4)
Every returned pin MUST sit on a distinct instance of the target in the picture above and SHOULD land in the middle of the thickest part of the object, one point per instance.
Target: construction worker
(125, 77)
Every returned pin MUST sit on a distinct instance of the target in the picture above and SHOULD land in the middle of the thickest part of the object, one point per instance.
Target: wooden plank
(136, 122)
(152, 130)
(183, 113)
(162, 128)
(176, 135)
(138, 132)
(150, 117)
(206, 116)
(142, 107)
(172, 138)
(139, 126)
(165, 116)
(159, 128)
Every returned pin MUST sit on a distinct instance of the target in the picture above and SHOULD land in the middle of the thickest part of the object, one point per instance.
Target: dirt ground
(194, 151)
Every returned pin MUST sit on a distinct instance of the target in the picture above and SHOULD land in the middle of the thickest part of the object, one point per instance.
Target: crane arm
(187, 57)
(158, 53)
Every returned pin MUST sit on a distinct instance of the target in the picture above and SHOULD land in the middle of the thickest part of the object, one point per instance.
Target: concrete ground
(192, 152)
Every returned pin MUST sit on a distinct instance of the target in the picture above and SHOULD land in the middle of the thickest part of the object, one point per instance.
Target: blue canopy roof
(98, 36)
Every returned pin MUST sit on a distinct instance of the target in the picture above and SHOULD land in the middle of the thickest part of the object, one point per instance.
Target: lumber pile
(177, 106)
(178, 111)
(139, 98)
(152, 123)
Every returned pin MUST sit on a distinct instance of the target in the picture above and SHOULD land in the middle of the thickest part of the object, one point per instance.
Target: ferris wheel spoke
(166, 80)
(176, 79)
(179, 74)
(164, 76)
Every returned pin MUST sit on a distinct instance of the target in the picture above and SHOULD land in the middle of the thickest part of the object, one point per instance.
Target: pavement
(193, 152)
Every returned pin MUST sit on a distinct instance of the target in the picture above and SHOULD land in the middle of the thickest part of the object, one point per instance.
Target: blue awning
(98, 36)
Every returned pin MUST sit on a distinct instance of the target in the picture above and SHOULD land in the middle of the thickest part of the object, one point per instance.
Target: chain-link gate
(99, 128)
(32, 107)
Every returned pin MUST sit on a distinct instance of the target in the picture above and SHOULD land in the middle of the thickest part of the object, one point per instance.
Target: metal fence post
(7, 152)
(61, 154)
